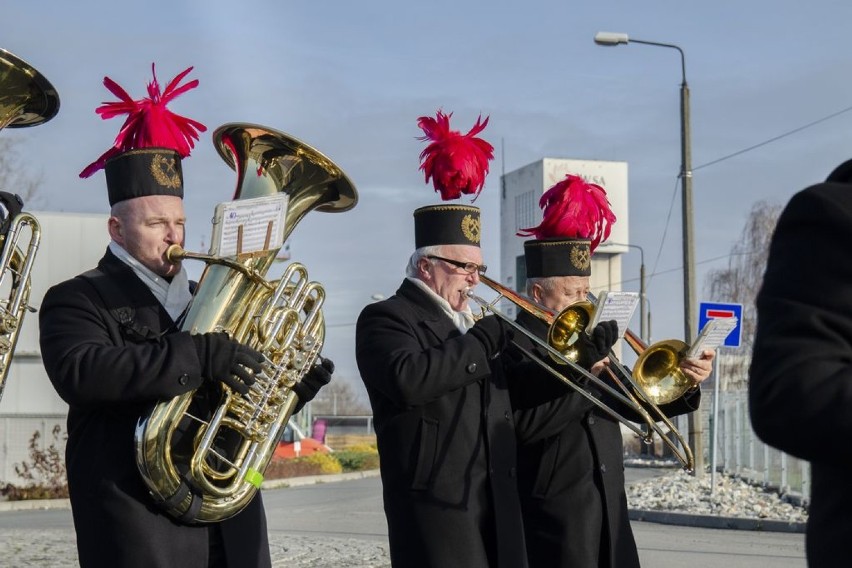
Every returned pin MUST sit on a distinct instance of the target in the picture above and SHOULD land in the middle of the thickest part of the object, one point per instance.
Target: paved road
(342, 525)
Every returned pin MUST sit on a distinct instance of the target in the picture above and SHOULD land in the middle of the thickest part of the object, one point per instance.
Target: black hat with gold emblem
(577, 217)
(558, 257)
(145, 158)
(457, 164)
(446, 225)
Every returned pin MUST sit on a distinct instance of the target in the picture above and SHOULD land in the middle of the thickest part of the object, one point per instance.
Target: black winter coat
(571, 472)
(110, 375)
(445, 436)
(800, 380)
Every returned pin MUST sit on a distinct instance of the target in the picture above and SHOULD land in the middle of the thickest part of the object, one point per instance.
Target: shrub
(45, 473)
(314, 464)
(357, 460)
(326, 462)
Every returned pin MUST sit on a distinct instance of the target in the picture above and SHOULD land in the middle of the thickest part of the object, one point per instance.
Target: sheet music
(618, 306)
(249, 225)
(712, 336)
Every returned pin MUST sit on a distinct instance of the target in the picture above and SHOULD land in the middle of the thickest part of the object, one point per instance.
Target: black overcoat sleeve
(800, 379)
(394, 362)
(89, 361)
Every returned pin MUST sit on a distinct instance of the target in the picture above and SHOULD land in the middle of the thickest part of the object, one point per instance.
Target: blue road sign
(708, 311)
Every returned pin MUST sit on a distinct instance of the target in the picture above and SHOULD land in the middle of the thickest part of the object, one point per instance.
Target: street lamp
(689, 312)
(643, 318)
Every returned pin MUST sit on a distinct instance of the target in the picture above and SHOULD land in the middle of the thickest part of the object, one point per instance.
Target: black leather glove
(596, 346)
(493, 333)
(314, 380)
(223, 359)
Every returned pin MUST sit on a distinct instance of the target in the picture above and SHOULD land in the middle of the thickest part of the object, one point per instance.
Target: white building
(519, 209)
(70, 243)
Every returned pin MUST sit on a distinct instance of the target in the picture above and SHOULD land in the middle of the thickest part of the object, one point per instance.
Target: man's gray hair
(547, 283)
(411, 270)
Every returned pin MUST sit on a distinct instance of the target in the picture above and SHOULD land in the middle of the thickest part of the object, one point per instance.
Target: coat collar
(428, 312)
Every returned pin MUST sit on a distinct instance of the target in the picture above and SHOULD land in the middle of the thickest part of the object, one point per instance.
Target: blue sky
(352, 78)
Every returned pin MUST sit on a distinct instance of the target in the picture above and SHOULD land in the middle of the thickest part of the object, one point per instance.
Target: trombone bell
(566, 327)
(657, 371)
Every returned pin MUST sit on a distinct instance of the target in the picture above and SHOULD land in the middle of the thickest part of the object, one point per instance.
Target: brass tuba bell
(203, 454)
(26, 99)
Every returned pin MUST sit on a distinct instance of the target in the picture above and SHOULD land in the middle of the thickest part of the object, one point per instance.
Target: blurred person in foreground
(436, 386)
(571, 472)
(800, 379)
(112, 347)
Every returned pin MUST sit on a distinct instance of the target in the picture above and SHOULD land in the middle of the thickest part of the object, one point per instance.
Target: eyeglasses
(469, 267)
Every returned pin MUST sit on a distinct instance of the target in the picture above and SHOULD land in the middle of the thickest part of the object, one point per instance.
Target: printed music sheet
(618, 306)
(712, 335)
(249, 225)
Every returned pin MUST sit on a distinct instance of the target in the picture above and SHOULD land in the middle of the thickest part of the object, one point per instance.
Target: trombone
(562, 334)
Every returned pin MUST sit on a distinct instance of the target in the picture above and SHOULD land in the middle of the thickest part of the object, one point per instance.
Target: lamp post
(689, 312)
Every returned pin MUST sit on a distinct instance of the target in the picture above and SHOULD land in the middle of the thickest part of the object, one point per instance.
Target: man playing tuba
(111, 346)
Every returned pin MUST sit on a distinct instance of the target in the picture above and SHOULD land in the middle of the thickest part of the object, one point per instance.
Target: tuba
(203, 454)
(26, 99)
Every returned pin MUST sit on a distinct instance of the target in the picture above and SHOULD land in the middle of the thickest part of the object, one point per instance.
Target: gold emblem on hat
(164, 171)
(581, 258)
(471, 228)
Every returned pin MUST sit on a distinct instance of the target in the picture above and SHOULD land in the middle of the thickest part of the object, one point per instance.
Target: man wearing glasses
(445, 432)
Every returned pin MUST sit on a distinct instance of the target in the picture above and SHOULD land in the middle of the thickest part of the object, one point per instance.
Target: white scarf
(462, 320)
(174, 296)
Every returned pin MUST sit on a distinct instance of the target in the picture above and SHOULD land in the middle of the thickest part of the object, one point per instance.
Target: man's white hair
(547, 283)
(411, 270)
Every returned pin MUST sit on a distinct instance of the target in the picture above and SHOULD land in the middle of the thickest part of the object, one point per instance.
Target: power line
(727, 157)
(779, 137)
(680, 268)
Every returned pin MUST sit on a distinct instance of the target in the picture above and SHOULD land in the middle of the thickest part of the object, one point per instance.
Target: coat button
(183, 379)
(603, 468)
(591, 419)
(507, 415)
(513, 472)
(471, 368)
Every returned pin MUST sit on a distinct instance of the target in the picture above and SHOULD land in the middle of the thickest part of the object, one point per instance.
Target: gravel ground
(679, 491)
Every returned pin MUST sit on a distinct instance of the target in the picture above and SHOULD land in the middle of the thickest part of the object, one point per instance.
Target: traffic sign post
(709, 310)
(706, 312)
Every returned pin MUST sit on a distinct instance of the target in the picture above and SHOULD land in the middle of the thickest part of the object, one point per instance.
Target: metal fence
(739, 452)
(17, 434)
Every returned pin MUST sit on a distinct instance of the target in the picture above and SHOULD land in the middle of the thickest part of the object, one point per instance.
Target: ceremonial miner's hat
(577, 217)
(457, 164)
(145, 158)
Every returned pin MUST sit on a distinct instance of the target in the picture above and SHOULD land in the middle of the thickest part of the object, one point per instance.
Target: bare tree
(341, 399)
(741, 280)
(14, 177)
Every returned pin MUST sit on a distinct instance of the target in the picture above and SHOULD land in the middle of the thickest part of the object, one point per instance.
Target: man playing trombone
(571, 474)
(439, 398)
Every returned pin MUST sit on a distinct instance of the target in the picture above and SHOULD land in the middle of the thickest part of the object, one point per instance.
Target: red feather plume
(456, 163)
(149, 123)
(574, 208)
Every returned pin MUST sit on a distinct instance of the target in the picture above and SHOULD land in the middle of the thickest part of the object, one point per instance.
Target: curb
(317, 479)
(661, 517)
(715, 522)
(43, 504)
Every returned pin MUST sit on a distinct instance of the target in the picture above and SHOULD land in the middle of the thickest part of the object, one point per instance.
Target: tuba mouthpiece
(175, 254)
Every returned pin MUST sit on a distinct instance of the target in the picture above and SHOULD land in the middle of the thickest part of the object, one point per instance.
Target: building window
(526, 212)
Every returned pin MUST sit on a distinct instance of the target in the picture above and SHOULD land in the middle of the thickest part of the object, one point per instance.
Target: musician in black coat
(112, 347)
(801, 370)
(571, 472)
(441, 406)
